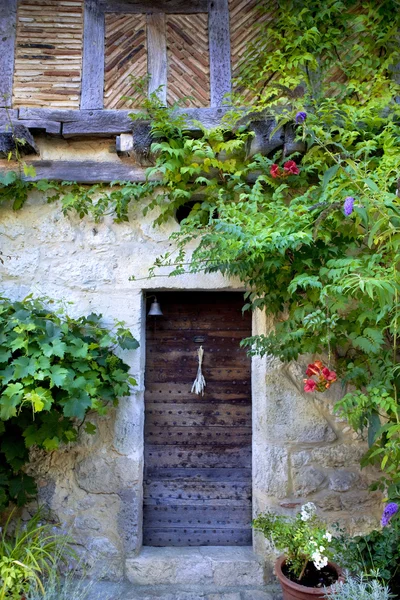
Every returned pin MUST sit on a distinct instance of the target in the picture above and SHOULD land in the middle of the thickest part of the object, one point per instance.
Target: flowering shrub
(359, 589)
(325, 377)
(389, 510)
(302, 538)
(289, 168)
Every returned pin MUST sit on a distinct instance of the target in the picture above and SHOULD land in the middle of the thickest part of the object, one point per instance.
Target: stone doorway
(197, 476)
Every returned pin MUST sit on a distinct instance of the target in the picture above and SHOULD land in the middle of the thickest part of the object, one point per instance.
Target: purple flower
(348, 205)
(389, 510)
(301, 116)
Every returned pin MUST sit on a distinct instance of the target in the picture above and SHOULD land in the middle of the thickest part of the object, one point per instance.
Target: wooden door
(197, 484)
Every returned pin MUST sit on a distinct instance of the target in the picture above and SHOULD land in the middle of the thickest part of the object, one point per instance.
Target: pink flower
(291, 168)
(312, 370)
(275, 171)
(309, 385)
(329, 375)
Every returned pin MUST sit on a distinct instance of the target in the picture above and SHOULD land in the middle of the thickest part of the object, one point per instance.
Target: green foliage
(30, 554)
(376, 554)
(53, 370)
(359, 589)
(329, 279)
(302, 538)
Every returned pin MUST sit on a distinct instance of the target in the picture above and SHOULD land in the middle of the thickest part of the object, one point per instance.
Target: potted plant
(304, 571)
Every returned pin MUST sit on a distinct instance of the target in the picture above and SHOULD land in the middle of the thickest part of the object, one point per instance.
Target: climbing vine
(55, 371)
(312, 229)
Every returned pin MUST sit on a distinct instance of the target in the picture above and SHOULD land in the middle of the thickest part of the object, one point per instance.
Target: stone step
(221, 566)
(126, 591)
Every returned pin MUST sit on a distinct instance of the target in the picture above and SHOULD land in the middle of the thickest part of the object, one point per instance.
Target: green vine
(314, 236)
(55, 371)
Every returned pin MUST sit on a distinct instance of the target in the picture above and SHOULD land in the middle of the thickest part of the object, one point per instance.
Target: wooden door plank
(197, 537)
(180, 473)
(197, 516)
(199, 436)
(197, 415)
(194, 457)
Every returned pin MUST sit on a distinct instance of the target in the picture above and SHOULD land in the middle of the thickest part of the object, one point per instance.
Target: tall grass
(30, 553)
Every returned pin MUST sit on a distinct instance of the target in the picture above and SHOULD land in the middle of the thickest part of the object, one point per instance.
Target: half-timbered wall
(48, 53)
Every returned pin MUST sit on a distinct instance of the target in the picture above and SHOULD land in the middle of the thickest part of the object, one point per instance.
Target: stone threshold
(220, 566)
(105, 590)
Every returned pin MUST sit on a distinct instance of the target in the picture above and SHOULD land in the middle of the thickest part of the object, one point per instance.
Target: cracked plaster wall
(301, 451)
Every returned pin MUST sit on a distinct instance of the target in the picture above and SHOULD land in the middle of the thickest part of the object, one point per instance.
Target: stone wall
(301, 451)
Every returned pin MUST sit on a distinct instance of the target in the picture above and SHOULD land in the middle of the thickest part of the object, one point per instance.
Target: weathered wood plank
(92, 91)
(156, 6)
(9, 133)
(204, 457)
(200, 436)
(180, 473)
(220, 391)
(197, 414)
(220, 50)
(181, 369)
(51, 127)
(8, 113)
(81, 171)
(108, 123)
(168, 491)
(197, 537)
(197, 516)
(8, 27)
(157, 55)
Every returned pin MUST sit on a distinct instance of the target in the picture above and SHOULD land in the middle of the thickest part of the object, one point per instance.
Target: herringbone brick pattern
(188, 59)
(244, 17)
(48, 58)
(125, 55)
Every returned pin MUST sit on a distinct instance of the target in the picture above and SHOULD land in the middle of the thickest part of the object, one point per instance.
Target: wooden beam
(156, 6)
(220, 50)
(87, 172)
(8, 27)
(157, 55)
(105, 123)
(92, 93)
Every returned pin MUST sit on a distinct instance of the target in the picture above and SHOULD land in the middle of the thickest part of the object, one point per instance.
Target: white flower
(328, 536)
(319, 561)
(321, 548)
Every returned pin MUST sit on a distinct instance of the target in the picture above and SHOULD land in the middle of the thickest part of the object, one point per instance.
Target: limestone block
(128, 519)
(308, 480)
(328, 502)
(342, 481)
(290, 416)
(107, 474)
(256, 595)
(20, 262)
(339, 455)
(271, 470)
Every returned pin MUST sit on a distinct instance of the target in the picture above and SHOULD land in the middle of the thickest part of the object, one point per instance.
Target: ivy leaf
(77, 405)
(50, 444)
(23, 366)
(40, 398)
(58, 375)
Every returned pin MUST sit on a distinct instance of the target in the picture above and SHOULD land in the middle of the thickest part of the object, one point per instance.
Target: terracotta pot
(294, 591)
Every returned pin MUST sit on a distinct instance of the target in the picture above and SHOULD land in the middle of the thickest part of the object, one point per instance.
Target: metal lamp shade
(155, 309)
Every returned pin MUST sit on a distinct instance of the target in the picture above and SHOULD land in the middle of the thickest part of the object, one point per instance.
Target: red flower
(312, 370)
(310, 385)
(329, 375)
(291, 168)
(275, 171)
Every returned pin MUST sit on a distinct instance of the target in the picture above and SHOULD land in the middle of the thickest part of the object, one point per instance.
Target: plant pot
(294, 591)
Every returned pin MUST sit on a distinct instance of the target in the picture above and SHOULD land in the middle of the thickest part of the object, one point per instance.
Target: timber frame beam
(92, 91)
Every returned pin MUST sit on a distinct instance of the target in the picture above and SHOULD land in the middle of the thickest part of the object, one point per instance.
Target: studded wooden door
(197, 481)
